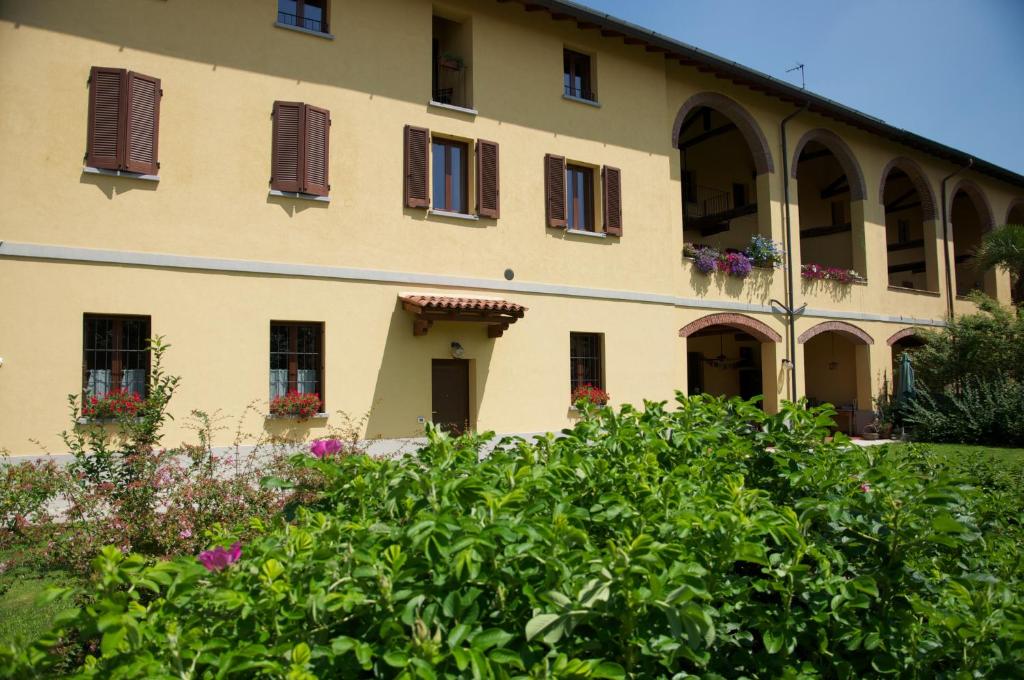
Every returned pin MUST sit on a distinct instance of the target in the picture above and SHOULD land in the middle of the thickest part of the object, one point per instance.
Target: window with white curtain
(116, 354)
(296, 358)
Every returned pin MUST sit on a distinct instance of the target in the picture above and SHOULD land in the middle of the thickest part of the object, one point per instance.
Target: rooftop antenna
(800, 67)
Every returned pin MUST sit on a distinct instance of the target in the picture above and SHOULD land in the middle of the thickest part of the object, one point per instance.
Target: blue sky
(950, 70)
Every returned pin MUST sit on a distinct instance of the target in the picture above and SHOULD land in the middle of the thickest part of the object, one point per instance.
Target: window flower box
(762, 253)
(298, 405)
(590, 393)
(818, 272)
(112, 406)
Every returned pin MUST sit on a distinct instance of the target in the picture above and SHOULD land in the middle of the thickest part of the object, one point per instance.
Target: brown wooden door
(450, 394)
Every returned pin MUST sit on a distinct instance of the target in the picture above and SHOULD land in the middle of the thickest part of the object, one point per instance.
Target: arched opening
(723, 158)
(909, 227)
(731, 355)
(837, 371)
(906, 340)
(970, 218)
(1015, 215)
(828, 182)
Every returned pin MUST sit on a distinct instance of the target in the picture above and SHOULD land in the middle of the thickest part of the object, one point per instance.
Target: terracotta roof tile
(463, 303)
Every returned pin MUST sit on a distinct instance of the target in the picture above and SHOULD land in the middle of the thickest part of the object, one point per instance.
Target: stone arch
(978, 199)
(756, 328)
(841, 150)
(745, 123)
(847, 330)
(1014, 204)
(900, 335)
(917, 178)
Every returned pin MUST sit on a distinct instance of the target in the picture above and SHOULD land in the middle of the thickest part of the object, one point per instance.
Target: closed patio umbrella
(905, 380)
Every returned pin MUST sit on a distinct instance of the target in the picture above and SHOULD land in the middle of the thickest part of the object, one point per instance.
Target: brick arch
(758, 329)
(1015, 203)
(841, 150)
(745, 123)
(978, 199)
(917, 178)
(847, 330)
(900, 335)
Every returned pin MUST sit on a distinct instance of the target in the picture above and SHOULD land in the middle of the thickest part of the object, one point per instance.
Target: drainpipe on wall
(950, 293)
(790, 312)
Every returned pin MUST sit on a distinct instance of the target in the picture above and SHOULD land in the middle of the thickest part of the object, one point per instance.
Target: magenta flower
(324, 448)
(865, 487)
(220, 557)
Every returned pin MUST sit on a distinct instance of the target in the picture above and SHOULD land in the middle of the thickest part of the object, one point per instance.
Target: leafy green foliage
(1003, 248)
(711, 540)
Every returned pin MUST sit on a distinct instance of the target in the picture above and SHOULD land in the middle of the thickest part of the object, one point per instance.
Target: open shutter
(286, 154)
(487, 184)
(554, 190)
(142, 123)
(104, 146)
(417, 167)
(316, 154)
(611, 189)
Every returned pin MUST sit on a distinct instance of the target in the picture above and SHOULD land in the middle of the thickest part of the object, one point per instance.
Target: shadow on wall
(114, 186)
(836, 291)
(240, 34)
(402, 393)
(754, 288)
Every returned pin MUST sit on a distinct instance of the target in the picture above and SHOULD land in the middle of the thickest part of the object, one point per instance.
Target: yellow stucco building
(457, 211)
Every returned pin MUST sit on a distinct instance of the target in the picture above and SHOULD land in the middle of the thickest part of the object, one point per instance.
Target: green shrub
(711, 541)
(979, 411)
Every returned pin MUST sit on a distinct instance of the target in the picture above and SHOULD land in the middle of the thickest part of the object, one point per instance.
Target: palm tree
(1004, 248)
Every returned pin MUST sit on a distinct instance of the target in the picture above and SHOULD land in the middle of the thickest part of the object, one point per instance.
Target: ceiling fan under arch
(722, 361)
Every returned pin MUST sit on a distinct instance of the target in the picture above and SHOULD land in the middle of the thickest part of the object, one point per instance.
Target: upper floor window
(115, 355)
(449, 181)
(451, 51)
(577, 75)
(579, 186)
(300, 155)
(310, 15)
(124, 121)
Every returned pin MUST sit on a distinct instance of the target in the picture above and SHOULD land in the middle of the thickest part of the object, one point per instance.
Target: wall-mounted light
(787, 364)
(457, 351)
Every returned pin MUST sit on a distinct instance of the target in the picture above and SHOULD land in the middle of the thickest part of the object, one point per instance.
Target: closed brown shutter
(316, 151)
(106, 121)
(417, 167)
(554, 190)
(286, 154)
(487, 179)
(611, 189)
(142, 123)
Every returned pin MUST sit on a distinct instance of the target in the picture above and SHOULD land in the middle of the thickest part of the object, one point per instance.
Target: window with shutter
(611, 179)
(300, 154)
(124, 121)
(416, 167)
(487, 182)
(554, 190)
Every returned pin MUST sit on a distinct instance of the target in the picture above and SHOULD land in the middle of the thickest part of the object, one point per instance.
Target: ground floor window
(116, 355)
(296, 358)
(585, 361)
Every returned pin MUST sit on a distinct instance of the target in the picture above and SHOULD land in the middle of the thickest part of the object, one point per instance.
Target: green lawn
(959, 452)
(20, 588)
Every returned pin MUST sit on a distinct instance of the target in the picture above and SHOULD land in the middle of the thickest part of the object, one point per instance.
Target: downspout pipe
(950, 293)
(790, 312)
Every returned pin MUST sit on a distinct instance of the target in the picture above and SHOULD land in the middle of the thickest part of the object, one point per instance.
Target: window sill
(453, 215)
(914, 291)
(103, 421)
(299, 195)
(89, 170)
(581, 100)
(299, 29)
(591, 234)
(453, 107)
(318, 416)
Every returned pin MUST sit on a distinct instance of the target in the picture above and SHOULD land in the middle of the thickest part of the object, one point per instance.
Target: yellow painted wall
(223, 64)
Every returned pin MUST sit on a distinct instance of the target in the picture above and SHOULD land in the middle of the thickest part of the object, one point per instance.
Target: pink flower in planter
(220, 557)
(324, 448)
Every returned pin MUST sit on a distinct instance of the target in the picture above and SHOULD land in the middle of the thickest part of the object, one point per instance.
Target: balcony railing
(300, 22)
(707, 201)
(450, 82)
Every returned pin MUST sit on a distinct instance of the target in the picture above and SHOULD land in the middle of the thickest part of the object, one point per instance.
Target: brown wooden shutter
(142, 123)
(316, 152)
(286, 152)
(554, 190)
(488, 198)
(611, 189)
(417, 167)
(104, 147)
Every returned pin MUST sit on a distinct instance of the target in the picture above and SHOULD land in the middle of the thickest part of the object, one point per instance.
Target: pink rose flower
(220, 557)
(324, 448)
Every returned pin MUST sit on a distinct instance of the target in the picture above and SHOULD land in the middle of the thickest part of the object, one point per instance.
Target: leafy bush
(712, 541)
(25, 490)
(981, 411)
